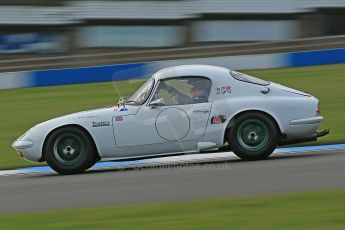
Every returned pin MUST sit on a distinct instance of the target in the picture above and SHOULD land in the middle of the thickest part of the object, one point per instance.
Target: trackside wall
(38, 78)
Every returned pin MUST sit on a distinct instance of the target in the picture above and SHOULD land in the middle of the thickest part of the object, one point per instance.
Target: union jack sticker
(218, 119)
(118, 118)
(228, 89)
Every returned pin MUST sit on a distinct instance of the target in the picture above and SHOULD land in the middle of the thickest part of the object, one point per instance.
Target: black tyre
(254, 136)
(70, 150)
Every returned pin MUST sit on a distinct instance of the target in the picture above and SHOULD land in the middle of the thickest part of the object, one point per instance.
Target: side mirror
(157, 103)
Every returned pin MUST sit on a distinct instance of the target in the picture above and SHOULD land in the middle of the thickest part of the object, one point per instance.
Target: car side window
(183, 90)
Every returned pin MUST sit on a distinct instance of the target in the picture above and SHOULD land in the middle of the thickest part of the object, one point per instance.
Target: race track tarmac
(283, 173)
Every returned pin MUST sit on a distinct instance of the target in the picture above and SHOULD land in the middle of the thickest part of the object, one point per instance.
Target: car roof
(192, 70)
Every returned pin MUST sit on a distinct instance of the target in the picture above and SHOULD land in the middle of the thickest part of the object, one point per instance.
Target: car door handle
(201, 111)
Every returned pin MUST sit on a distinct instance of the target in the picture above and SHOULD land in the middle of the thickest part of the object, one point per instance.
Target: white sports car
(182, 109)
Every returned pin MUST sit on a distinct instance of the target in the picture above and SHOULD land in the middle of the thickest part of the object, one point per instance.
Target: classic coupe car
(182, 109)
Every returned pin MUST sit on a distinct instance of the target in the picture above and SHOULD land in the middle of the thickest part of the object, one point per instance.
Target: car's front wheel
(70, 150)
(254, 136)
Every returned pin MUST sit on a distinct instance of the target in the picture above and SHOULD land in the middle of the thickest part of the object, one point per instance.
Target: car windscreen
(141, 95)
(247, 78)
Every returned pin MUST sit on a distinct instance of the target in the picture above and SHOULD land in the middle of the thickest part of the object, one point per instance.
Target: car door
(180, 119)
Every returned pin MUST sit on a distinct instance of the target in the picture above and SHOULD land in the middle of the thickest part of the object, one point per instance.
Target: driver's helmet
(201, 87)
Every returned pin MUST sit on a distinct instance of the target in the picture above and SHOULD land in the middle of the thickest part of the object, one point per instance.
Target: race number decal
(223, 90)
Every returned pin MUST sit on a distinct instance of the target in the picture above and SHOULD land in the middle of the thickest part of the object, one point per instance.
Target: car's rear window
(247, 78)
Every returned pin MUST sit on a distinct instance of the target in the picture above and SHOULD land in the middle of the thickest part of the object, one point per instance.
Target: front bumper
(22, 144)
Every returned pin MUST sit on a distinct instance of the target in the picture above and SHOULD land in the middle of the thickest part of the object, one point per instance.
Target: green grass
(313, 210)
(20, 109)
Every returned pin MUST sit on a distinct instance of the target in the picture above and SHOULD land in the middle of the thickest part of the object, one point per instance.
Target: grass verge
(20, 109)
(313, 210)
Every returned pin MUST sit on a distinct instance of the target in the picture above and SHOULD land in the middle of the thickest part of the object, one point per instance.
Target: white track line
(169, 160)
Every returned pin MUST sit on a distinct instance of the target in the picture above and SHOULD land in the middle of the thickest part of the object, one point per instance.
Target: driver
(198, 94)
(200, 90)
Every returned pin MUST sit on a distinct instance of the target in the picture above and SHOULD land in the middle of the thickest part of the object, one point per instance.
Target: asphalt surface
(292, 172)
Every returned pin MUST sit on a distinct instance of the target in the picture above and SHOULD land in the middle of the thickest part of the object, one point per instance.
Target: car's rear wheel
(70, 150)
(254, 136)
